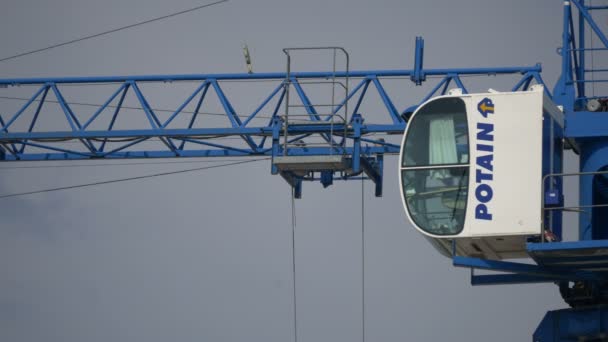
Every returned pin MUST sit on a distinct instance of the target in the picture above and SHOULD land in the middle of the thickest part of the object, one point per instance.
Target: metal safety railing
(588, 78)
(338, 109)
(552, 200)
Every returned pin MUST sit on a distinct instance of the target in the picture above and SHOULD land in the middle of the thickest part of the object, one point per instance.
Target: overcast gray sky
(206, 256)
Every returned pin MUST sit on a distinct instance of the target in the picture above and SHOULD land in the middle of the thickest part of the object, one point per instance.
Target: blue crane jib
(315, 142)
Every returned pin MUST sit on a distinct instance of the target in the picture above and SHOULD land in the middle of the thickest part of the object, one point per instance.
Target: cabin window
(435, 167)
(438, 135)
(437, 198)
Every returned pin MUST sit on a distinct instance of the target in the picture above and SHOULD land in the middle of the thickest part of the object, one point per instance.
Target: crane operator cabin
(471, 171)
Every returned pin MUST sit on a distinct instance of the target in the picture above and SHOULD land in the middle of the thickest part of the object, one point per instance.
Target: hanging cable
(363, 259)
(129, 179)
(293, 264)
(111, 31)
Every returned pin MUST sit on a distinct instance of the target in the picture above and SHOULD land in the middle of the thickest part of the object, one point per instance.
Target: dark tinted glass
(436, 199)
(438, 134)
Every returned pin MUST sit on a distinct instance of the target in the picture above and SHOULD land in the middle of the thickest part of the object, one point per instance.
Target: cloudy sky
(207, 256)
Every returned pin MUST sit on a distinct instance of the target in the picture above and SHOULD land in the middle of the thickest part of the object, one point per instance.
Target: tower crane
(481, 174)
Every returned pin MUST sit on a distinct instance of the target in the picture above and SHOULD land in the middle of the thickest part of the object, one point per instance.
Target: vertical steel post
(287, 84)
(580, 73)
(564, 91)
(357, 122)
(418, 76)
(276, 135)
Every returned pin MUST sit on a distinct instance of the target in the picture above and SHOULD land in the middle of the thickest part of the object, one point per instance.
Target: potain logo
(484, 173)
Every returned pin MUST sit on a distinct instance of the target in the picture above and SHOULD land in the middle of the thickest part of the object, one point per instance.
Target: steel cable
(110, 31)
(128, 179)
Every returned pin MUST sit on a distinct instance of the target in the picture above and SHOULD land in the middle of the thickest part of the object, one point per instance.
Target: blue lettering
(483, 193)
(486, 162)
(485, 133)
(481, 212)
(485, 148)
(480, 176)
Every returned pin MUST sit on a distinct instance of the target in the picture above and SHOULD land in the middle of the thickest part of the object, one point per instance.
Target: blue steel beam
(38, 144)
(186, 132)
(553, 274)
(570, 91)
(63, 154)
(269, 76)
(507, 279)
(584, 12)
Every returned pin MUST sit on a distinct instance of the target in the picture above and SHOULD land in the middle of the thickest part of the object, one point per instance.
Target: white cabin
(471, 170)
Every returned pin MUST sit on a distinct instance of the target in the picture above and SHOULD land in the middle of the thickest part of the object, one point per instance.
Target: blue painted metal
(267, 76)
(568, 246)
(553, 198)
(583, 255)
(578, 267)
(586, 125)
(178, 139)
(507, 279)
(589, 324)
(552, 274)
(419, 76)
(564, 92)
(570, 89)
(593, 158)
(588, 130)
(580, 70)
(190, 141)
(584, 12)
